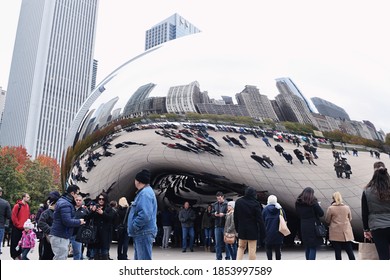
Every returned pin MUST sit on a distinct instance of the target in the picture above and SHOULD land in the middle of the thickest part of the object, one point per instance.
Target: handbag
(283, 229)
(87, 233)
(367, 251)
(320, 229)
(229, 238)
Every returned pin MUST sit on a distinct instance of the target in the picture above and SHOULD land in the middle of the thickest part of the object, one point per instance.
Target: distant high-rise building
(3, 94)
(182, 99)
(295, 109)
(228, 99)
(172, 28)
(327, 108)
(258, 105)
(287, 86)
(50, 75)
(94, 74)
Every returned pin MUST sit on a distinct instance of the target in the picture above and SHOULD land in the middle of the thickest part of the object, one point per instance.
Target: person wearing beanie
(27, 241)
(248, 223)
(273, 238)
(142, 223)
(64, 222)
(230, 229)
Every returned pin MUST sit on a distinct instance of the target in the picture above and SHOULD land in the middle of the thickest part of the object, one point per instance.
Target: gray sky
(335, 50)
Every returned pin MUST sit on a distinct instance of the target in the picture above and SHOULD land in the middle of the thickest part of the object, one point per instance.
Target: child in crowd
(27, 242)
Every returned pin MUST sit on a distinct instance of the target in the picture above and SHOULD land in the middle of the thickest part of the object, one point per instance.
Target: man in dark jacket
(5, 213)
(249, 223)
(187, 217)
(63, 223)
(219, 212)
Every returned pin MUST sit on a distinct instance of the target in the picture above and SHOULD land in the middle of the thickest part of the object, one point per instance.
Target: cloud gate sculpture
(105, 149)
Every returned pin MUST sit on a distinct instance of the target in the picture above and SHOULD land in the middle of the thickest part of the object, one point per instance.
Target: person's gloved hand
(17, 248)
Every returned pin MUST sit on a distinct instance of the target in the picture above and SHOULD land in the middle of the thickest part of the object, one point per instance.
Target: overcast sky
(335, 50)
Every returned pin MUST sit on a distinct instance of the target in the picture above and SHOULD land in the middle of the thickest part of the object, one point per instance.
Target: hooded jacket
(247, 217)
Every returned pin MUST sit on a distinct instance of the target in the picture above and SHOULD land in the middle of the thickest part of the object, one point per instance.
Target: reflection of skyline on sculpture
(105, 128)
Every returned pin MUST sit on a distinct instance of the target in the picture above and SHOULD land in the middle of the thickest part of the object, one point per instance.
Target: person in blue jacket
(141, 223)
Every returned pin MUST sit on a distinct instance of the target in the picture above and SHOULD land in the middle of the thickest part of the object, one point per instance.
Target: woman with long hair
(309, 211)
(339, 217)
(376, 210)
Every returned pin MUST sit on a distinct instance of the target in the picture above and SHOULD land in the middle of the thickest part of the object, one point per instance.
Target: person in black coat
(103, 217)
(249, 223)
(309, 211)
(288, 157)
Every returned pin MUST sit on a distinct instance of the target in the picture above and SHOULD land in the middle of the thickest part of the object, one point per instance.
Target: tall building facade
(3, 95)
(182, 99)
(327, 108)
(287, 86)
(169, 29)
(50, 75)
(295, 109)
(258, 105)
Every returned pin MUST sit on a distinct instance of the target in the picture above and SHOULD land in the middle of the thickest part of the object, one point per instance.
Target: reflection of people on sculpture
(288, 157)
(259, 160)
(268, 160)
(299, 155)
(279, 149)
(235, 141)
(227, 140)
(309, 158)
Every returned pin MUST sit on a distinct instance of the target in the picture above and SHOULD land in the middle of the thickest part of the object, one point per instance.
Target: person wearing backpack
(20, 214)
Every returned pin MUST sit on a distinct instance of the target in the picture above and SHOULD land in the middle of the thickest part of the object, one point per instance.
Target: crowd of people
(229, 228)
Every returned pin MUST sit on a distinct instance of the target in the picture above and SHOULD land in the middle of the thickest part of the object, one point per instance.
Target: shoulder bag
(367, 251)
(283, 229)
(320, 229)
(87, 233)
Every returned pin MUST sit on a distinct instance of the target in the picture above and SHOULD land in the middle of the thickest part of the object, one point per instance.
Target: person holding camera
(102, 215)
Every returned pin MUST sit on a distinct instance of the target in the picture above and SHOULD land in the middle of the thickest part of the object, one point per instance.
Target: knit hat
(28, 224)
(272, 199)
(143, 176)
(232, 203)
(53, 197)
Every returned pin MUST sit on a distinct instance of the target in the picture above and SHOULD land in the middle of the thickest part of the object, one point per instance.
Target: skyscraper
(327, 108)
(169, 29)
(287, 86)
(258, 105)
(50, 75)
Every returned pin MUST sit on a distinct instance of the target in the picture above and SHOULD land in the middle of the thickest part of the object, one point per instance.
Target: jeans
(167, 234)
(207, 237)
(60, 247)
(1, 237)
(143, 247)
(232, 250)
(310, 253)
(77, 248)
(25, 253)
(188, 231)
(219, 243)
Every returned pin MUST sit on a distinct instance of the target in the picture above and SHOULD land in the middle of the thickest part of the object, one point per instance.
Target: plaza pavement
(288, 253)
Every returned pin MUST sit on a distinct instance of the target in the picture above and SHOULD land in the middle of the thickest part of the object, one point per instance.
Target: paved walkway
(288, 253)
